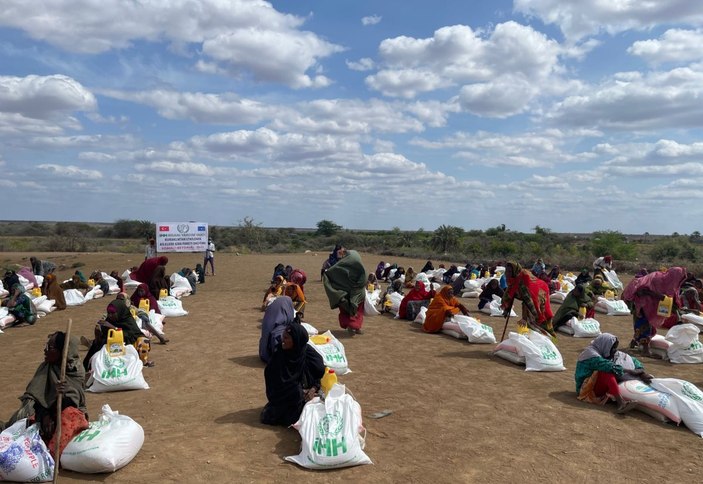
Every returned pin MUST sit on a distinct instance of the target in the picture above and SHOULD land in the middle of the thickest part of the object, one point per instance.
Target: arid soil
(458, 414)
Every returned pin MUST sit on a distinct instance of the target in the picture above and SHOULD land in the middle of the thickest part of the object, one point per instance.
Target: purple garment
(27, 273)
(278, 315)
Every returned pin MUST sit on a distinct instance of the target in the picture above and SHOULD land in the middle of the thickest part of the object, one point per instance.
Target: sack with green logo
(685, 345)
(332, 432)
(689, 401)
(109, 444)
(581, 328)
(539, 351)
(116, 373)
(333, 354)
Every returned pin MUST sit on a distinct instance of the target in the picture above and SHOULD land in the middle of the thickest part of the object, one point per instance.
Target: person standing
(210, 257)
(150, 251)
(345, 285)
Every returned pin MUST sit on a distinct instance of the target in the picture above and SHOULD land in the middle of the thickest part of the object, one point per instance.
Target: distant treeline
(447, 243)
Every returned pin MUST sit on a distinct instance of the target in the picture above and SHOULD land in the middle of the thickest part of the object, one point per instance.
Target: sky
(574, 115)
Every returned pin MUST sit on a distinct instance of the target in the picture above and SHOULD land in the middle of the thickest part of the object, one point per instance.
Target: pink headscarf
(667, 283)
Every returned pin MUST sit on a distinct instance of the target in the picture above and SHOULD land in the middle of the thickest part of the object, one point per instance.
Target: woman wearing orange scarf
(444, 305)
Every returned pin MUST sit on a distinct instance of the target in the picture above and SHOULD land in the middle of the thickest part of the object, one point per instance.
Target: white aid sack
(94, 293)
(332, 432)
(73, 297)
(128, 281)
(540, 353)
(657, 404)
(451, 328)
(333, 354)
(685, 345)
(109, 444)
(581, 328)
(508, 350)
(113, 287)
(693, 319)
(659, 346)
(3, 292)
(371, 301)
(475, 330)
(395, 299)
(311, 330)
(157, 321)
(171, 307)
(44, 306)
(493, 308)
(23, 454)
(116, 373)
(557, 297)
(613, 280)
(6, 319)
(689, 401)
(473, 284)
(180, 286)
(421, 315)
(616, 307)
(28, 286)
(471, 294)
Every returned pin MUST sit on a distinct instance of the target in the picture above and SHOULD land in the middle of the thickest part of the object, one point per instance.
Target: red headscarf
(147, 268)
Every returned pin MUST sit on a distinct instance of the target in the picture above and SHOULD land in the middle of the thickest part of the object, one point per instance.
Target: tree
(446, 238)
(327, 228)
(613, 243)
(252, 233)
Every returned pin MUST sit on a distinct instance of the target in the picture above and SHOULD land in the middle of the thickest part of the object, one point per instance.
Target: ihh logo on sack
(548, 354)
(114, 368)
(691, 392)
(328, 443)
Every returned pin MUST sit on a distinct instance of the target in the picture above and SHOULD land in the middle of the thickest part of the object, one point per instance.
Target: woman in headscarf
(534, 294)
(147, 268)
(427, 267)
(410, 278)
(279, 270)
(99, 280)
(602, 264)
(42, 267)
(200, 271)
(490, 289)
(395, 287)
(278, 315)
(142, 292)
(120, 282)
(579, 297)
(292, 377)
(443, 306)
(345, 286)
(458, 283)
(296, 294)
(379, 269)
(599, 369)
(118, 316)
(583, 277)
(414, 299)
(27, 273)
(81, 276)
(159, 281)
(41, 396)
(447, 277)
(10, 279)
(75, 283)
(20, 305)
(643, 294)
(334, 255)
(52, 290)
(372, 283)
(299, 277)
(275, 289)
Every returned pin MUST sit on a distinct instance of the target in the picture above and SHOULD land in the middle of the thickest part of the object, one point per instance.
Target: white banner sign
(181, 237)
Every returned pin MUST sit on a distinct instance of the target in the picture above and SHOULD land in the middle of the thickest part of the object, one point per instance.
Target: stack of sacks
(180, 286)
(680, 345)
(128, 281)
(615, 307)
(534, 350)
(581, 328)
(44, 306)
(494, 309)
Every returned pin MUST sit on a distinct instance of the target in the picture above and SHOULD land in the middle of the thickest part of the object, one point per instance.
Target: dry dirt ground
(459, 414)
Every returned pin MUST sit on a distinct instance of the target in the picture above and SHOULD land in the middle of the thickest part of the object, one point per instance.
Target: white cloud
(186, 168)
(248, 35)
(44, 97)
(578, 19)
(69, 171)
(675, 45)
(635, 101)
(370, 20)
(363, 64)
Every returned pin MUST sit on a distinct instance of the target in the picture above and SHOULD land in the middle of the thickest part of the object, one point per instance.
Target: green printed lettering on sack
(695, 345)
(487, 328)
(590, 327)
(337, 358)
(691, 392)
(330, 447)
(548, 354)
(113, 373)
(88, 434)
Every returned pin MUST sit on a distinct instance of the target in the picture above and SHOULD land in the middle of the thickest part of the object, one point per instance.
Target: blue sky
(569, 114)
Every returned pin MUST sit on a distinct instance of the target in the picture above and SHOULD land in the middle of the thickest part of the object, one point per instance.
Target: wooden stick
(510, 310)
(59, 398)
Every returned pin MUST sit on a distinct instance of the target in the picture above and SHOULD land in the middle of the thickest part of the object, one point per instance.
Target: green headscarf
(345, 283)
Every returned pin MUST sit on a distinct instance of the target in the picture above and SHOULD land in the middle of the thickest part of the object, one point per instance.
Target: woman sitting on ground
(118, 316)
(75, 283)
(41, 396)
(296, 294)
(584, 277)
(443, 306)
(20, 305)
(120, 282)
(100, 282)
(52, 290)
(200, 273)
(278, 315)
(458, 283)
(142, 293)
(489, 289)
(298, 276)
(159, 282)
(599, 369)
(410, 278)
(372, 283)
(416, 298)
(190, 276)
(274, 290)
(579, 297)
(395, 287)
(427, 267)
(292, 377)
(379, 269)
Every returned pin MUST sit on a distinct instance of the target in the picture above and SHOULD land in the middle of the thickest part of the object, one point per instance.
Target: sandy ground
(459, 414)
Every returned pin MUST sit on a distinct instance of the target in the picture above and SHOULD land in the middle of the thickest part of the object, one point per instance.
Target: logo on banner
(183, 228)
(163, 228)
(201, 228)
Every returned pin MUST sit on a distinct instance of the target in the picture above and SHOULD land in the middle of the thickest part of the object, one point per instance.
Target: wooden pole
(510, 310)
(59, 398)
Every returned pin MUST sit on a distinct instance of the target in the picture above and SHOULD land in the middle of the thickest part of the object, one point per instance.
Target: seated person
(100, 282)
(598, 287)
(579, 297)
(159, 282)
(395, 287)
(118, 316)
(10, 279)
(142, 293)
(554, 273)
(279, 270)
(399, 272)
(416, 298)
(599, 369)
(274, 290)
(489, 289)
(443, 306)
(277, 317)
(298, 277)
(427, 267)
(296, 294)
(190, 276)
(41, 396)
(372, 283)
(448, 276)
(51, 289)
(538, 267)
(120, 282)
(42, 267)
(292, 377)
(75, 283)
(200, 272)
(583, 277)
(458, 283)
(20, 305)
(410, 278)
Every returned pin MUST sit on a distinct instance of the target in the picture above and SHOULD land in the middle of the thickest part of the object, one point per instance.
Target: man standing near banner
(150, 251)
(210, 256)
